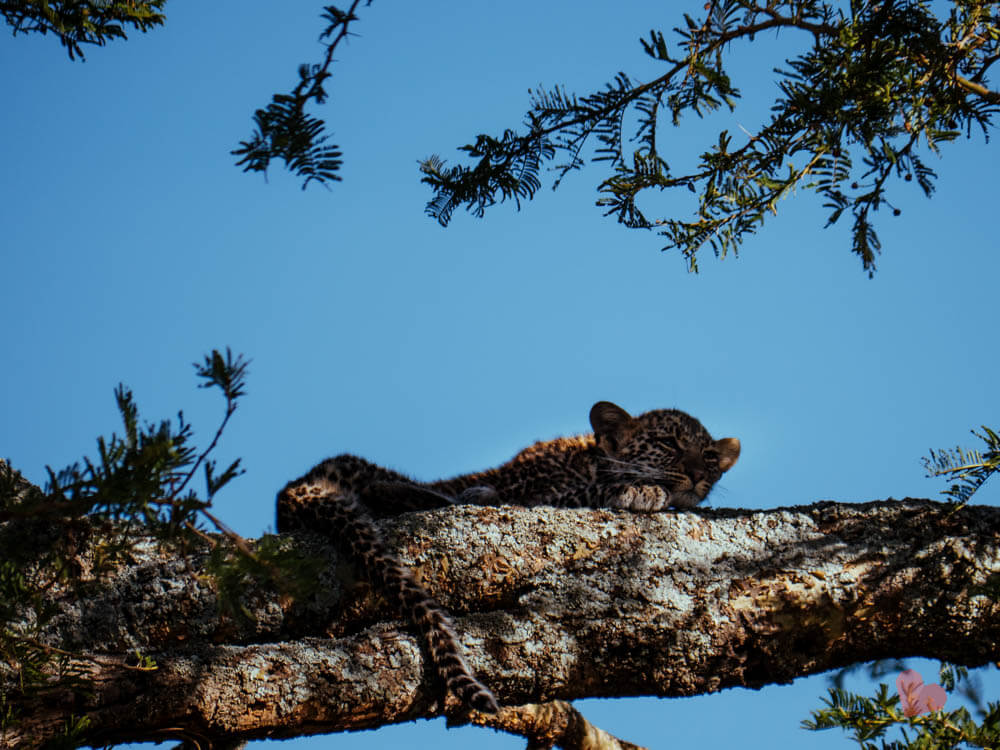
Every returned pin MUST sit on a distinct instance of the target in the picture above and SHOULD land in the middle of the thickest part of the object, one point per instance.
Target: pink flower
(916, 697)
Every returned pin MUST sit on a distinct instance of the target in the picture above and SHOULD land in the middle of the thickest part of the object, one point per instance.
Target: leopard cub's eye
(670, 443)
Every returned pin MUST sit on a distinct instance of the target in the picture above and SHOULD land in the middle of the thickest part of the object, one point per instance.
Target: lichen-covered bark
(550, 604)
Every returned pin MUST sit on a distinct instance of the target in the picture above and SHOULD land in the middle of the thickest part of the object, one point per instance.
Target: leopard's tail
(319, 505)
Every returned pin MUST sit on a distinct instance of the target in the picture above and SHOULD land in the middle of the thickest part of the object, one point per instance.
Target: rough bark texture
(550, 604)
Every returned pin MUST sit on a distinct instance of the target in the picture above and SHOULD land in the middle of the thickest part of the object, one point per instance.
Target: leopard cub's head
(664, 447)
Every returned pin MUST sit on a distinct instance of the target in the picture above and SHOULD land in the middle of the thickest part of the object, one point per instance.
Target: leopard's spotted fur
(657, 460)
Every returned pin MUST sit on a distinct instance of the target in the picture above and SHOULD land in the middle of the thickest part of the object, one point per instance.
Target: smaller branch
(93, 658)
(904, 151)
(969, 85)
(976, 88)
(986, 66)
(56, 509)
(230, 409)
(297, 92)
(238, 540)
(242, 545)
(958, 469)
(198, 532)
(553, 724)
(721, 40)
(819, 29)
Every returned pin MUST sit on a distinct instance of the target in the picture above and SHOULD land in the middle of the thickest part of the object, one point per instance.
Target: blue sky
(132, 246)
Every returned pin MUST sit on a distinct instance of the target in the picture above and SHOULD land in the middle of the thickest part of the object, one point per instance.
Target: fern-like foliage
(879, 82)
(507, 169)
(869, 720)
(141, 476)
(283, 129)
(76, 22)
(137, 486)
(967, 470)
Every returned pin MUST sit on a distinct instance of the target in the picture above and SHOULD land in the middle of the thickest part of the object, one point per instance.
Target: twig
(297, 92)
(552, 724)
(95, 658)
(230, 409)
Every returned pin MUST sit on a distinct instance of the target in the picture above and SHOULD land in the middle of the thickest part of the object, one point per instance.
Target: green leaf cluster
(868, 720)
(76, 22)
(880, 85)
(507, 168)
(272, 565)
(141, 477)
(283, 129)
(968, 470)
(880, 82)
(136, 487)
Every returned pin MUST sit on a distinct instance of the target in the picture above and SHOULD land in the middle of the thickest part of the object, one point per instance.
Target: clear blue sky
(132, 246)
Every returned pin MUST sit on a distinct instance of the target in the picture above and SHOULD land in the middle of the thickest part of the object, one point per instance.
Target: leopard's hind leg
(320, 505)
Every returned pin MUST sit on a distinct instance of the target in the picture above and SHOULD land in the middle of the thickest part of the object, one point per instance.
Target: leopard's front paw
(644, 498)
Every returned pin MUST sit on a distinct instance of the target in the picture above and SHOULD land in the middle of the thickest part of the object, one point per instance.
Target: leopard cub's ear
(609, 420)
(729, 452)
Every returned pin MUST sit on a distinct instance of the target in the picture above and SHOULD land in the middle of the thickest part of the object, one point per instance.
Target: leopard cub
(658, 460)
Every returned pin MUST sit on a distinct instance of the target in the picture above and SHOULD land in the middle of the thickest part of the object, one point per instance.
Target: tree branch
(977, 88)
(551, 604)
(555, 723)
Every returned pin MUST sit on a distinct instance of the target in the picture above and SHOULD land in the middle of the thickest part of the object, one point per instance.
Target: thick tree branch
(551, 604)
